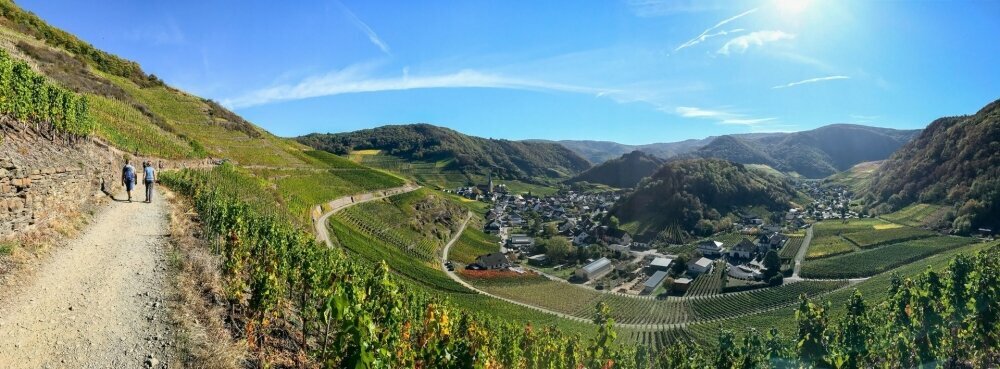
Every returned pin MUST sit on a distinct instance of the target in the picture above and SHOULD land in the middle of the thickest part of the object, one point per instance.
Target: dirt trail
(96, 302)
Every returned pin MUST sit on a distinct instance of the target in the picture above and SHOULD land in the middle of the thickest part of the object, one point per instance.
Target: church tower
(489, 177)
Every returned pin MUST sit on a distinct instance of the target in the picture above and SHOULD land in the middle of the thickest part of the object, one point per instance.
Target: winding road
(322, 234)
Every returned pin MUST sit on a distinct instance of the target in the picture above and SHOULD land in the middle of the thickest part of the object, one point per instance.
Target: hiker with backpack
(128, 179)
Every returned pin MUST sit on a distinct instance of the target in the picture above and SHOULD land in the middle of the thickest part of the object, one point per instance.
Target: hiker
(128, 179)
(149, 176)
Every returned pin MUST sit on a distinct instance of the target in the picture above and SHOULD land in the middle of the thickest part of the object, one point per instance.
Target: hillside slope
(469, 154)
(956, 160)
(815, 153)
(693, 197)
(623, 172)
(136, 111)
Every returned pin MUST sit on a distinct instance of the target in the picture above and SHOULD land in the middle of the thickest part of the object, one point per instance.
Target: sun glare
(791, 8)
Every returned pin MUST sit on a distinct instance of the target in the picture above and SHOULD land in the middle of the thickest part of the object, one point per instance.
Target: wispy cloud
(759, 38)
(811, 80)
(695, 112)
(363, 27)
(706, 34)
(720, 116)
(356, 79)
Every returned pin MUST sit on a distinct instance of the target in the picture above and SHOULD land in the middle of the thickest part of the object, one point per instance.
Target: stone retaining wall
(43, 178)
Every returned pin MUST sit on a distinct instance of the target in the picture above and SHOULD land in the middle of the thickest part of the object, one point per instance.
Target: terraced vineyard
(870, 239)
(791, 248)
(557, 296)
(304, 188)
(878, 260)
(828, 245)
(918, 215)
(471, 244)
(827, 236)
(657, 338)
(708, 283)
(581, 302)
(735, 304)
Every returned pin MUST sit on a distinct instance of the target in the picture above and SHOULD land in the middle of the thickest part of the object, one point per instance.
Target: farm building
(745, 249)
(703, 265)
(661, 263)
(681, 284)
(710, 248)
(540, 259)
(520, 241)
(493, 260)
(594, 270)
(653, 282)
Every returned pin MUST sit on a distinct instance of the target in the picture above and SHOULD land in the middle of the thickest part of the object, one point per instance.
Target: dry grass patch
(197, 301)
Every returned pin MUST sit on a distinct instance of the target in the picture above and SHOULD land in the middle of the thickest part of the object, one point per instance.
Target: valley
(421, 246)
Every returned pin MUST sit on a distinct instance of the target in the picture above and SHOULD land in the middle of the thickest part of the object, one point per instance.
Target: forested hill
(425, 142)
(815, 153)
(623, 172)
(694, 196)
(956, 160)
(601, 151)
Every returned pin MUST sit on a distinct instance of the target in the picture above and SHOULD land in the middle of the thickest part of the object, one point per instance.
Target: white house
(745, 249)
(710, 248)
(697, 267)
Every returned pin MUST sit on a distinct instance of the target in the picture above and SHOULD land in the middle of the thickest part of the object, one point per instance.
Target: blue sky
(632, 71)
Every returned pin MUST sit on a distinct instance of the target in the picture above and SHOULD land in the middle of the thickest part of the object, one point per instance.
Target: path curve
(99, 300)
(322, 234)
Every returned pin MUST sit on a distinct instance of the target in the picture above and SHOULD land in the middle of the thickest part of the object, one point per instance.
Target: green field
(827, 238)
(828, 245)
(918, 215)
(874, 261)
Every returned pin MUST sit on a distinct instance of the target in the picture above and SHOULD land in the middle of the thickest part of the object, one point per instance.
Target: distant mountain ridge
(954, 161)
(504, 158)
(623, 172)
(815, 153)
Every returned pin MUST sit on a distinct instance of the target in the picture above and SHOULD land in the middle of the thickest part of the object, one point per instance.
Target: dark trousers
(149, 190)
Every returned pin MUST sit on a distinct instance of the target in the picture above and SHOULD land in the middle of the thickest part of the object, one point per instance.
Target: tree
(680, 265)
(550, 230)
(613, 222)
(557, 249)
(773, 264)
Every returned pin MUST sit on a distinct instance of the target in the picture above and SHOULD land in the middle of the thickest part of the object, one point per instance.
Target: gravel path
(96, 302)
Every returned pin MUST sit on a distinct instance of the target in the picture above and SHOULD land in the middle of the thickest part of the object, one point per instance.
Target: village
(562, 237)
